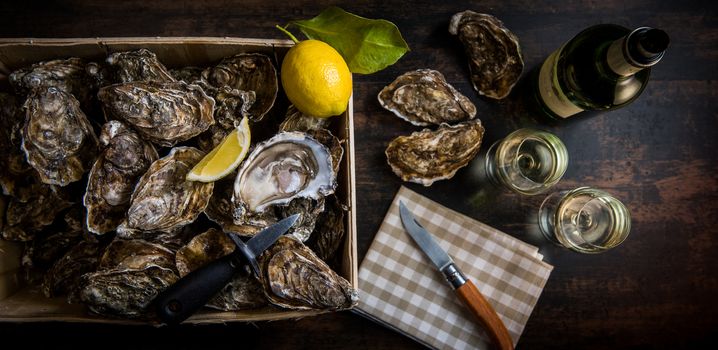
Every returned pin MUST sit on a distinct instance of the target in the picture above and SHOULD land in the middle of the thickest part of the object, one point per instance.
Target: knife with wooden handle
(464, 288)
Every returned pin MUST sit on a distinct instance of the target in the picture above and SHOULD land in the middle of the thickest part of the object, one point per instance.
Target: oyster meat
(12, 159)
(247, 72)
(427, 156)
(295, 278)
(494, 53)
(289, 165)
(424, 97)
(64, 276)
(58, 140)
(164, 113)
(139, 65)
(295, 120)
(123, 160)
(69, 75)
(163, 199)
(329, 233)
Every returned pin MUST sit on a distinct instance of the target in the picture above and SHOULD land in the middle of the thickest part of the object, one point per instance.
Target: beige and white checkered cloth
(400, 288)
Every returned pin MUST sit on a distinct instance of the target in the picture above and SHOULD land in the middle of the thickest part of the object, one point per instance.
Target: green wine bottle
(602, 68)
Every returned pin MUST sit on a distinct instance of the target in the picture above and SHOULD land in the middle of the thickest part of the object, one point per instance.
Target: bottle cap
(645, 46)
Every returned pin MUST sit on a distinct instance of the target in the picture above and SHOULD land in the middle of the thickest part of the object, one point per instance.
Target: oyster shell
(241, 293)
(289, 165)
(47, 248)
(333, 144)
(309, 209)
(123, 160)
(295, 120)
(203, 249)
(220, 209)
(328, 235)
(134, 254)
(58, 140)
(295, 278)
(427, 156)
(494, 53)
(163, 199)
(187, 74)
(139, 65)
(424, 97)
(12, 159)
(247, 72)
(164, 113)
(68, 75)
(64, 276)
(25, 219)
(230, 106)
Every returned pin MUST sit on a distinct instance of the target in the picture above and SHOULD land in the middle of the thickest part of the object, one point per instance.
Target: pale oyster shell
(58, 140)
(164, 113)
(427, 156)
(423, 97)
(123, 160)
(289, 165)
(494, 53)
(139, 65)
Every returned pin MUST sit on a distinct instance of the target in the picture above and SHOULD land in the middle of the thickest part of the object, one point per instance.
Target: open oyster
(164, 113)
(123, 160)
(64, 276)
(69, 75)
(139, 65)
(295, 278)
(427, 156)
(247, 72)
(12, 159)
(494, 54)
(289, 165)
(424, 97)
(58, 140)
(333, 144)
(164, 200)
(295, 120)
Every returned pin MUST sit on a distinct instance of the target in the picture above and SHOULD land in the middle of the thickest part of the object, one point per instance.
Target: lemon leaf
(367, 45)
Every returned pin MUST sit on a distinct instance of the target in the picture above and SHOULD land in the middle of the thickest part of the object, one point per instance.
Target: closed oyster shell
(220, 209)
(68, 75)
(164, 113)
(12, 159)
(494, 53)
(123, 160)
(139, 65)
(231, 105)
(423, 97)
(289, 165)
(295, 120)
(58, 140)
(24, 219)
(64, 276)
(309, 209)
(50, 246)
(329, 233)
(203, 249)
(427, 156)
(241, 293)
(247, 72)
(189, 74)
(134, 254)
(295, 278)
(163, 200)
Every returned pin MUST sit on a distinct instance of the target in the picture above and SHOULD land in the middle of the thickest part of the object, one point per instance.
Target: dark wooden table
(658, 155)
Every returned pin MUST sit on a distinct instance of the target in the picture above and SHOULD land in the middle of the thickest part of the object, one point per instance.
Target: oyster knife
(464, 288)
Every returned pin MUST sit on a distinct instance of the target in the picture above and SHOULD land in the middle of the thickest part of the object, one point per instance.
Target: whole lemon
(316, 79)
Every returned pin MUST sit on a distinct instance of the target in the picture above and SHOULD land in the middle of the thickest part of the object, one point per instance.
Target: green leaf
(367, 45)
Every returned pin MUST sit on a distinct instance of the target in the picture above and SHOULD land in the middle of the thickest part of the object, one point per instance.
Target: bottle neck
(642, 48)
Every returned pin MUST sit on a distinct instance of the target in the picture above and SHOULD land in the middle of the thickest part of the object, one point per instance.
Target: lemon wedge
(224, 158)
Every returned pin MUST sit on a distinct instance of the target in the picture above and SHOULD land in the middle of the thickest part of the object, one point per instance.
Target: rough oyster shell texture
(163, 199)
(231, 105)
(329, 232)
(123, 160)
(494, 53)
(23, 219)
(427, 156)
(139, 65)
(58, 140)
(68, 75)
(220, 208)
(164, 113)
(289, 165)
(65, 275)
(247, 72)
(295, 120)
(424, 97)
(12, 159)
(295, 278)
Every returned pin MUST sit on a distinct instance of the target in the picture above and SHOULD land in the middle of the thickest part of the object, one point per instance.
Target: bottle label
(617, 60)
(550, 90)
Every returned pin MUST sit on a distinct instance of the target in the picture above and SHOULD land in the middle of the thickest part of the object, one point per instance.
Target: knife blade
(464, 288)
(182, 299)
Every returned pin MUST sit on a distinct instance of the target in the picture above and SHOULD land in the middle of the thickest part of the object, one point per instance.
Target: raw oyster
(139, 65)
(328, 235)
(203, 249)
(129, 254)
(123, 160)
(424, 97)
(25, 219)
(247, 72)
(164, 113)
(427, 156)
(69, 75)
(241, 293)
(187, 74)
(220, 209)
(163, 199)
(289, 165)
(58, 140)
(494, 54)
(230, 106)
(65, 274)
(295, 278)
(12, 159)
(295, 120)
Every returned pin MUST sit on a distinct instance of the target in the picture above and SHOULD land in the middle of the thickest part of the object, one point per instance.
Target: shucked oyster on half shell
(138, 65)
(424, 97)
(427, 156)
(494, 54)
(163, 200)
(123, 160)
(164, 113)
(289, 165)
(58, 140)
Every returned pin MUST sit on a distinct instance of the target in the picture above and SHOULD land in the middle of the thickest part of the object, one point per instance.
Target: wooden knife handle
(486, 315)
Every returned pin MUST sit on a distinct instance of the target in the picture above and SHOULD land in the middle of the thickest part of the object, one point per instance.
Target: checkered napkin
(401, 289)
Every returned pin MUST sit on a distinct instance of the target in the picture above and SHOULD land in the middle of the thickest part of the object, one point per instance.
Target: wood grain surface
(658, 155)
